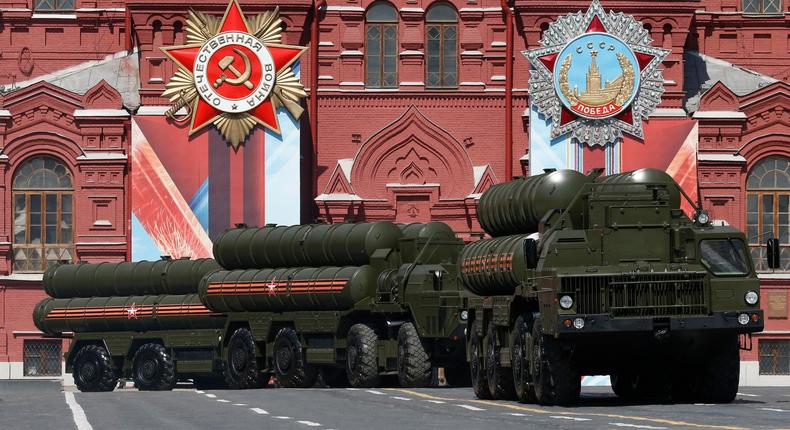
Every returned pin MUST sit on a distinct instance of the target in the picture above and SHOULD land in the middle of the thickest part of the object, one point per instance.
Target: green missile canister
(648, 177)
(314, 245)
(134, 313)
(127, 279)
(517, 206)
(493, 266)
(288, 289)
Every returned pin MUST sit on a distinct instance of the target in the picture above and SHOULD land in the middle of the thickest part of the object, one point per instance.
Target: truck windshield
(724, 256)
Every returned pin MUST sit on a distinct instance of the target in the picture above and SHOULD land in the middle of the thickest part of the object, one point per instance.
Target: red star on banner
(204, 113)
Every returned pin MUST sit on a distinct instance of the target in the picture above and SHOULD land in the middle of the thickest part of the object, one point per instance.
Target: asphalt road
(379, 409)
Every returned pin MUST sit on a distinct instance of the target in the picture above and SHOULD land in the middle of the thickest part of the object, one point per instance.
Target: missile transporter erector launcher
(609, 277)
(141, 321)
(352, 301)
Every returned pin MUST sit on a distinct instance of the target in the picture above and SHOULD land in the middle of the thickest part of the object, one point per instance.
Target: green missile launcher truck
(589, 275)
(134, 321)
(352, 301)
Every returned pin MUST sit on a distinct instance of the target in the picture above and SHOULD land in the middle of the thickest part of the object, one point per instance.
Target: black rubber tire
(719, 376)
(477, 370)
(290, 364)
(457, 376)
(521, 339)
(362, 363)
(153, 369)
(647, 383)
(556, 380)
(500, 379)
(624, 385)
(334, 377)
(414, 364)
(241, 366)
(93, 369)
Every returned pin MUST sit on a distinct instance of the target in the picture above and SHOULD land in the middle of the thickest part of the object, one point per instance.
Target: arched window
(43, 214)
(762, 6)
(441, 48)
(768, 208)
(381, 49)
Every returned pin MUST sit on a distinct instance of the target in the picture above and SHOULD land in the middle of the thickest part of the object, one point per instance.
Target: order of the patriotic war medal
(596, 76)
(234, 73)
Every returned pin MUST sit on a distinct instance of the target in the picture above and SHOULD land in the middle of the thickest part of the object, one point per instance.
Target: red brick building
(411, 120)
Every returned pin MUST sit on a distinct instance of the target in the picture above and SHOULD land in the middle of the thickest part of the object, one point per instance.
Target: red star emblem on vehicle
(272, 287)
(234, 73)
(131, 311)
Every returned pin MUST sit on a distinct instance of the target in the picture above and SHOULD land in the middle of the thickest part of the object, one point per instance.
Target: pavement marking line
(773, 410)
(259, 411)
(223, 401)
(437, 402)
(80, 419)
(748, 395)
(309, 423)
(516, 414)
(637, 426)
(282, 417)
(200, 392)
(470, 408)
(211, 396)
(563, 417)
(589, 414)
(374, 392)
(400, 398)
(239, 404)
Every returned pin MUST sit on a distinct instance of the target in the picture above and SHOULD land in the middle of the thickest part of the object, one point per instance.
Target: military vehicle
(353, 301)
(605, 275)
(135, 321)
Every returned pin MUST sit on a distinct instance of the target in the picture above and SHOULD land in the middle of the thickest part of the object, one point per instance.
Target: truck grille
(639, 294)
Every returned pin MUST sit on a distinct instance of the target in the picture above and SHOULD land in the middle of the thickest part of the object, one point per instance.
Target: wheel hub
(284, 358)
(239, 359)
(88, 371)
(148, 369)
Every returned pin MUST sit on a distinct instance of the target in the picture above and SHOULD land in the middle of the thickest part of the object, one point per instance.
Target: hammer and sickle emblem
(226, 64)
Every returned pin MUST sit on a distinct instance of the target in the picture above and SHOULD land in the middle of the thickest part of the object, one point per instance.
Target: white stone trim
(325, 77)
(76, 68)
(337, 197)
(34, 277)
(326, 43)
(669, 112)
(482, 84)
(345, 8)
(480, 9)
(100, 243)
(411, 53)
(15, 9)
(720, 114)
(53, 15)
(5, 113)
(472, 53)
(91, 155)
(412, 9)
(426, 185)
(524, 157)
(412, 84)
(351, 53)
(725, 158)
(498, 44)
(750, 377)
(101, 9)
(157, 111)
(346, 164)
(498, 77)
(81, 113)
(475, 196)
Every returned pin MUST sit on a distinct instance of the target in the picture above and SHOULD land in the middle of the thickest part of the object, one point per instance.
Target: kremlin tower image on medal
(523, 204)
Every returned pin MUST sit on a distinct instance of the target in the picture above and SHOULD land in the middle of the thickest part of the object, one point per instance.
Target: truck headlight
(751, 297)
(464, 315)
(578, 323)
(703, 217)
(743, 319)
(566, 302)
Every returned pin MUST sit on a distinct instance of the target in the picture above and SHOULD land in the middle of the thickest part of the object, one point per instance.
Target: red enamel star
(230, 78)
(131, 311)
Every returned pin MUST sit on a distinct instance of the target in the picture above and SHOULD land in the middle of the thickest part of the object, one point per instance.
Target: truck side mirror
(772, 253)
(531, 253)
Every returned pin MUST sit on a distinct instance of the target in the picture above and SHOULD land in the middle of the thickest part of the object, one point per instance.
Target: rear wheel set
(290, 364)
(153, 368)
(241, 365)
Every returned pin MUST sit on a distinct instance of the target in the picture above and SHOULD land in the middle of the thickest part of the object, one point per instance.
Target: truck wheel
(477, 369)
(556, 380)
(414, 365)
(519, 361)
(334, 377)
(624, 384)
(290, 364)
(719, 377)
(362, 363)
(500, 379)
(153, 368)
(241, 367)
(457, 376)
(93, 370)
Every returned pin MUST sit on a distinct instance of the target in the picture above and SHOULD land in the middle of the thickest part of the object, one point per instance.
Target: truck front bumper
(717, 321)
